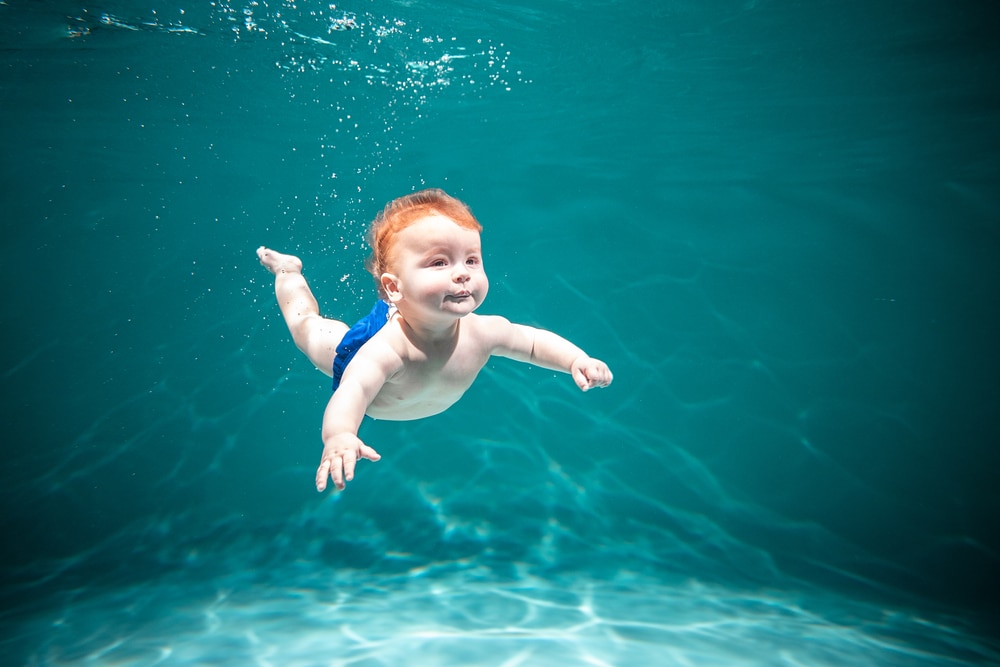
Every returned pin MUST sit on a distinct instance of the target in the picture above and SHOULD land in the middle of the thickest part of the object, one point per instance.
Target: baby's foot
(278, 263)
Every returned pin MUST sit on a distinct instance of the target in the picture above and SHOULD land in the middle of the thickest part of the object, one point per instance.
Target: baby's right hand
(340, 454)
(588, 373)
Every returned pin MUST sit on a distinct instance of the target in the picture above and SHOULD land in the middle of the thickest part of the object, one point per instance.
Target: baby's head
(401, 213)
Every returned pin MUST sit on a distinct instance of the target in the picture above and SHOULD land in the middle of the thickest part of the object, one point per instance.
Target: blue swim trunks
(357, 336)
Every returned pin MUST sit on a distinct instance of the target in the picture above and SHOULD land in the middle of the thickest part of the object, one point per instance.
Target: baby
(422, 346)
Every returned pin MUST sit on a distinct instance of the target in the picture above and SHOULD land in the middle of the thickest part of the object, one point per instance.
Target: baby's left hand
(589, 372)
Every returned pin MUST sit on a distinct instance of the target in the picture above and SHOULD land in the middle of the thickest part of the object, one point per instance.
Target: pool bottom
(305, 615)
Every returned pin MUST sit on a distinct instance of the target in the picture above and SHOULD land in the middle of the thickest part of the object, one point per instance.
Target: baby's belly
(393, 406)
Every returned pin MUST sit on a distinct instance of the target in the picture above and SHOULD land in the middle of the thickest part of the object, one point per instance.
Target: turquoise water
(779, 223)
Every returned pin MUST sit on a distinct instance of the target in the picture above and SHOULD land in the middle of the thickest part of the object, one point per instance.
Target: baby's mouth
(458, 296)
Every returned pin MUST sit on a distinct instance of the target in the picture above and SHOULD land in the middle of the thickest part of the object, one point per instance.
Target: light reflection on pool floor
(467, 618)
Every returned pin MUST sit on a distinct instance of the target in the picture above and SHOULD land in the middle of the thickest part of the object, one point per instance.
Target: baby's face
(436, 267)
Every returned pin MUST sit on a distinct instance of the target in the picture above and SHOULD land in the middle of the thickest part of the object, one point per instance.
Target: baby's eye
(438, 262)
(472, 261)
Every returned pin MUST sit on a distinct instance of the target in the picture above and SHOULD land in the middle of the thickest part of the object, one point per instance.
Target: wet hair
(401, 213)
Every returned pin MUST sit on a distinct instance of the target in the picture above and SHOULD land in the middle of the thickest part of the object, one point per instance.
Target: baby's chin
(463, 305)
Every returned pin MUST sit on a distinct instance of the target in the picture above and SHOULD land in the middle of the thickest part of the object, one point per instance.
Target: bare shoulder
(385, 352)
(498, 335)
(487, 328)
(491, 322)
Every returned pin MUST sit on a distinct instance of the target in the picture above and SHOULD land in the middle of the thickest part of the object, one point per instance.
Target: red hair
(401, 213)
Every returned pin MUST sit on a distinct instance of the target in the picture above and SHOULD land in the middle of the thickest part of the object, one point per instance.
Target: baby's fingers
(369, 453)
(594, 374)
(349, 459)
(322, 473)
(581, 379)
(601, 377)
(335, 468)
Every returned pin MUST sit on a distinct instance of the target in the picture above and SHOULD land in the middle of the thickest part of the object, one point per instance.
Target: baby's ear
(390, 285)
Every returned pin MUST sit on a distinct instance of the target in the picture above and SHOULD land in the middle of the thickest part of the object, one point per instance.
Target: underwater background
(778, 222)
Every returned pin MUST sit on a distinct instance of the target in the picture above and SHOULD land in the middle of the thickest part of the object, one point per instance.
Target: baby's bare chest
(456, 370)
(428, 383)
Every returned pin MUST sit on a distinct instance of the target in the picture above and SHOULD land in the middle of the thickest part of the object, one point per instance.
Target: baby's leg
(317, 336)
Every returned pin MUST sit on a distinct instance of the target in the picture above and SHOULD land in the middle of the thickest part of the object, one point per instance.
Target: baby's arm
(548, 350)
(342, 447)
